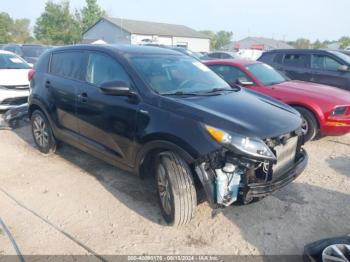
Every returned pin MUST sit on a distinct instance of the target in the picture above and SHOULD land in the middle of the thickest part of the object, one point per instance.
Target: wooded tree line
(59, 25)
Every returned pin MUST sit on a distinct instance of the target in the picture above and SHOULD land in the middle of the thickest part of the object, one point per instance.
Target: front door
(106, 123)
(326, 71)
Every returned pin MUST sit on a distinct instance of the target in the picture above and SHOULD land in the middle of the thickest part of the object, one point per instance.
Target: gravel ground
(72, 203)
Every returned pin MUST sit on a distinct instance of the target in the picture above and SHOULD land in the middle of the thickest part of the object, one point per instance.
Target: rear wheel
(176, 192)
(309, 125)
(42, 133)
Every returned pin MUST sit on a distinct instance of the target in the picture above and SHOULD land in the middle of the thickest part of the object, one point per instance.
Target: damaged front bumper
(264, 189)
(252, 184)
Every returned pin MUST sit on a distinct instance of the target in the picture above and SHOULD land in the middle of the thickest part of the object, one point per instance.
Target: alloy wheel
(40, 131)
(164, 189)
(305, 126)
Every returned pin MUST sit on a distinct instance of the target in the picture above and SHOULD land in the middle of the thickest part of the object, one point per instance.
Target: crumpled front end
(228, 177)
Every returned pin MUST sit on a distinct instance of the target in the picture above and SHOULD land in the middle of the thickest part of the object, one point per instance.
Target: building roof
(153, 28)
(269, 43)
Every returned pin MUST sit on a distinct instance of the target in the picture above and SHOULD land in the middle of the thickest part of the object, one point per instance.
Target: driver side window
(230, 74)
(103, 68)
(322, 62)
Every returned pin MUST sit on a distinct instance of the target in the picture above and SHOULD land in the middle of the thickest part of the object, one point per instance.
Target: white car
(14, 84)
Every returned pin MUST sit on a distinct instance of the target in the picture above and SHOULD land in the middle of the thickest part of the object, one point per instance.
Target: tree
(57, 25)
(219, 39)
(20, 31)
(90, 14)
(6, 23)
(344, 42)
(318, 45)
(223, 38)
(302, 43)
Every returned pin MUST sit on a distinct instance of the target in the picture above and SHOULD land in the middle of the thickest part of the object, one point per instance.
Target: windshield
(342, 56)
(33, 51)
(9, 61)
(266, 74)
(177, 74)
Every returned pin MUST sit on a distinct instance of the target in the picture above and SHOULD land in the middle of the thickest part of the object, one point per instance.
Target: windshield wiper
(215, 90)
(180, 93)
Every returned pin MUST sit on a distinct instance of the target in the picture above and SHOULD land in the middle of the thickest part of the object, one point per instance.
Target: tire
(175, 189)
(310, 124)
(42, 133)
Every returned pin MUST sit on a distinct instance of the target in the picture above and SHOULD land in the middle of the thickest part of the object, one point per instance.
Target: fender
(162, 144)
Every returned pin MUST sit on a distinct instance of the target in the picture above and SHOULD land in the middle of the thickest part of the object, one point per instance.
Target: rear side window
(267, 57)
(323, 62)
(103, 68)
(278, 58)
(296, 60)
(69, 64)
(43, 63)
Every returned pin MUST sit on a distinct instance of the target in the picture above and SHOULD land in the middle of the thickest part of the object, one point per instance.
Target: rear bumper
(264, 189)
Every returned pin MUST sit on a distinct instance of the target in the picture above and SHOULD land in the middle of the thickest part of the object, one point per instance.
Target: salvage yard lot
(70, 202)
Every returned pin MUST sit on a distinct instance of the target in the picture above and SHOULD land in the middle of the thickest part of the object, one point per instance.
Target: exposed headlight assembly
(246, 145)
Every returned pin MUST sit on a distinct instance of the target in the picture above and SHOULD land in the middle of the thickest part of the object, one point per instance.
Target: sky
(278, 19)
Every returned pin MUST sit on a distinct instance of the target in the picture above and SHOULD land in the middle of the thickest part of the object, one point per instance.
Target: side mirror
(343, 68)
(115, 88)
(244, 83)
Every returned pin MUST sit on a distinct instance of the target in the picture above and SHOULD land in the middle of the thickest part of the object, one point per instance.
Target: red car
(325, 109)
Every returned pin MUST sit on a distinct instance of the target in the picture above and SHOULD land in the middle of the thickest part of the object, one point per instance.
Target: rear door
(326, 71)
(296, 66)
(106, 123)
(65, 78)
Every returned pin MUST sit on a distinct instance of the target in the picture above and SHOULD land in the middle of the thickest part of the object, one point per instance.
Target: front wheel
(176, 191)
(309, 125)
(42, 133)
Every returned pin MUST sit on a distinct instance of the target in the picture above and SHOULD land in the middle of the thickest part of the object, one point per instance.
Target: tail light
(31, 74)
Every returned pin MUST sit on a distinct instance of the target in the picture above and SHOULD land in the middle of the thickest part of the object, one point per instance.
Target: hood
(14, 77)
(312, 90)
(245, 112)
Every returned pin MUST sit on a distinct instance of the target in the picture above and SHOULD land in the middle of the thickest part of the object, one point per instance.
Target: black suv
(153, 111)
(318, 66)
(30, 53)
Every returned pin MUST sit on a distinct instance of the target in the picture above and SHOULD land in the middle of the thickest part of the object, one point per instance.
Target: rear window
(296, 60)
(69, 64)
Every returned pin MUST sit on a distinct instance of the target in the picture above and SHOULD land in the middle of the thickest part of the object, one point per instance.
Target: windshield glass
(266, 74)
(9, 61)
(342, 56)
(174, 74)
(33, 51)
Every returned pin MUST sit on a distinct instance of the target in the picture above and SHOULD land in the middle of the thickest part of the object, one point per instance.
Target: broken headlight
(246, 145)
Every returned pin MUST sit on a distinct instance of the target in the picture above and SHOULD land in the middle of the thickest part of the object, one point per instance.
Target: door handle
(83, 97)
(47, 84)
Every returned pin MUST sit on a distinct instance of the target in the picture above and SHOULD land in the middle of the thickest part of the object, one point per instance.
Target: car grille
(15, 101)
(17, 87)
(286, 155)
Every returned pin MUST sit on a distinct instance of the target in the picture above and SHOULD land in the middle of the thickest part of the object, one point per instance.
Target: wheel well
(146, 167)
(32, 108)
(310, 110)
